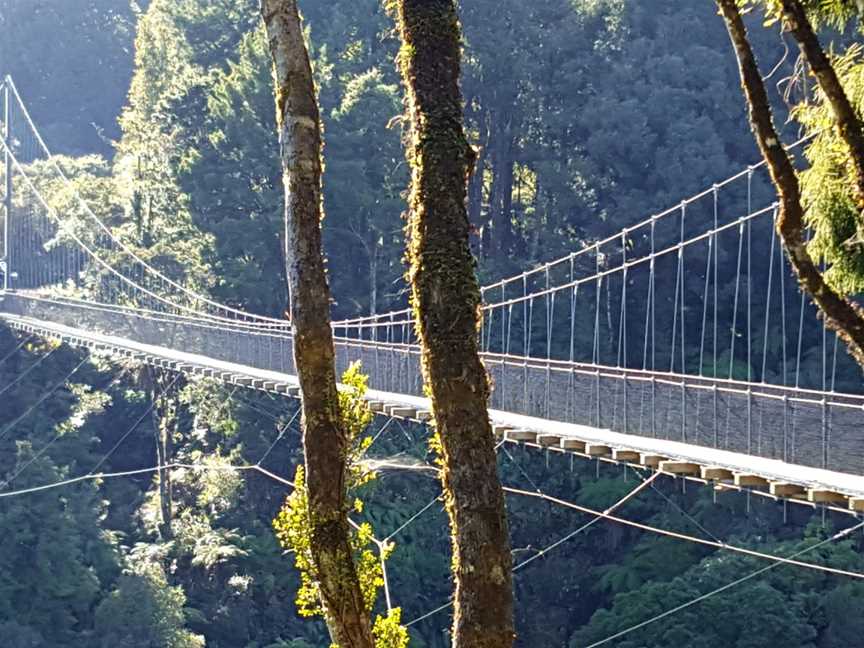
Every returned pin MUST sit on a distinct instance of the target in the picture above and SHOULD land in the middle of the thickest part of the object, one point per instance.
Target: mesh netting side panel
(818, 434)
(845, 428)
(217, 341)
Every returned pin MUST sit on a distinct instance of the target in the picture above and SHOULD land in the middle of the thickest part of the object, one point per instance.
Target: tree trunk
(501, 200)
(324, 437)
(446, 300)
(373, 274)
(164, 426)
(475, 189)
(842, 315)
(848, 124)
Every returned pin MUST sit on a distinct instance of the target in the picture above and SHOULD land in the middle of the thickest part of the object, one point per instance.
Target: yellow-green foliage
(356, 417)
(828, 185)
(293, 527)
(836, 14)
(293, 532)
(389, 631)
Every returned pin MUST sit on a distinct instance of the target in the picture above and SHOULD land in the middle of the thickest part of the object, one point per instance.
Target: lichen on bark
(325, 439)
(446, 303)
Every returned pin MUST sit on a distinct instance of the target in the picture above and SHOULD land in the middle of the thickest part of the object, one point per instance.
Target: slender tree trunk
(324, 437)
(475, 182)
(162, 458)
(167, 442)
(501, 200)
(164, 426)
(446, 300)
(848, 124)
(373, 275)
(842, 315)
(476, 187)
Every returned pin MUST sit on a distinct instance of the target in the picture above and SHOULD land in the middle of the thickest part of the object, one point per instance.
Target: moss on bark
(446, 301)
(325, 440)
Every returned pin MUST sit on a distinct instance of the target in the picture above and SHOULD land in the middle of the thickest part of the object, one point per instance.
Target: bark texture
(446, 299)
(324, 437)
(848, 125)
(842, 315)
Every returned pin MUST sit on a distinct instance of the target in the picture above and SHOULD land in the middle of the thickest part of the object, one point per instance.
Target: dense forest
(586, 117)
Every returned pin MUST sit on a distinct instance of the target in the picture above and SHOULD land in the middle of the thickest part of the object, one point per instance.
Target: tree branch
(848, 123)
(841, 315)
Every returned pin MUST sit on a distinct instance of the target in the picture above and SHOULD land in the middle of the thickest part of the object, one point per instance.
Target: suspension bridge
(681, 343)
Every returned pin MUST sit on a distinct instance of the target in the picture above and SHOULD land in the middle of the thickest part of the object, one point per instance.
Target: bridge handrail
(379, 321)
(272, 323)
(239, 326)
(589, 248)
(51, 158)
(728, 385)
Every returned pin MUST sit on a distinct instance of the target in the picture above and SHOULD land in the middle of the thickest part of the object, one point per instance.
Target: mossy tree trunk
(842, 315)
(446, 300)
(325, 439)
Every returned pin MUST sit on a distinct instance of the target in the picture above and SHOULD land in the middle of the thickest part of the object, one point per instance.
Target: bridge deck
(801, 482)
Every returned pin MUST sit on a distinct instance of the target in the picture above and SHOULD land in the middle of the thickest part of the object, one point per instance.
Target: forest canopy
(585, 117)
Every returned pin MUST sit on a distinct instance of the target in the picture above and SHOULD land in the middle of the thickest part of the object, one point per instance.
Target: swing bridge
(681, 343)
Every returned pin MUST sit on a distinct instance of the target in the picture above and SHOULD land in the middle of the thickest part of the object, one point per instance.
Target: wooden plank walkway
(726, 469)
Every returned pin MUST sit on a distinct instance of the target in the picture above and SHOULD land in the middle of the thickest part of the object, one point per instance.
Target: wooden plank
(785, 489)
(597, 450)
(243, 381)
(294, 391)
(282, 388)
(716, 473)
(680, 467)
(750, 480)
(376, 406)
(576, 445)
(549, 439)
(856, 503)
(400, 411)
(521, 435)
(651, 460)
(499, 430)
(423, 415)
(824, 496)
(622, 454)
